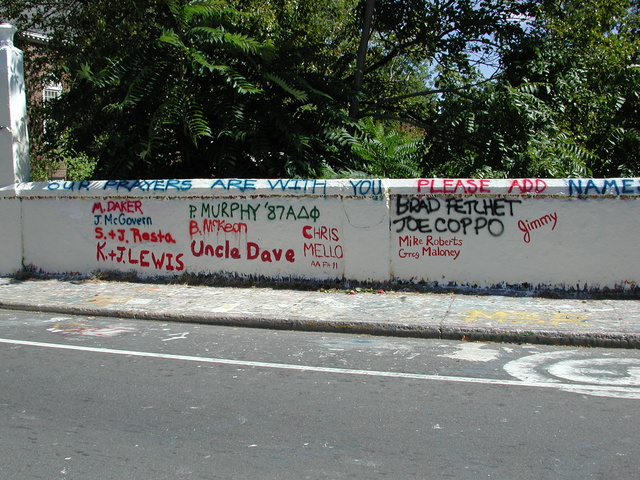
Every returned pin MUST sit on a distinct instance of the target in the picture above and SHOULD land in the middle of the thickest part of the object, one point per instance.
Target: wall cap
(366, 188)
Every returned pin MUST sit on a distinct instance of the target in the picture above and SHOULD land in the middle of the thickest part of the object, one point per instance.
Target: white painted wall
(550, 238)
(549, 233)
(10, 232)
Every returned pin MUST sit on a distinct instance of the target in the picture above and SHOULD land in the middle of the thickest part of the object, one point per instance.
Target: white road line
(342, 371)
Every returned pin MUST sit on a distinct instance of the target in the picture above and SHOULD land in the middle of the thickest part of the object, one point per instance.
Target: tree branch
(362, 55)
(410, 121)
(425, 93)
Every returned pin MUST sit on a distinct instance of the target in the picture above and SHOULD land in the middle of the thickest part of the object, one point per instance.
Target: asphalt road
(96, 398)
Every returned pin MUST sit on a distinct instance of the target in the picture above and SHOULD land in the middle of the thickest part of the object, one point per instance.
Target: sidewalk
(597, 323)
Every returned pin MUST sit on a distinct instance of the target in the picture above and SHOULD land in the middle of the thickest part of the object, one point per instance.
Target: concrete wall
(10, 232)
(578, 233)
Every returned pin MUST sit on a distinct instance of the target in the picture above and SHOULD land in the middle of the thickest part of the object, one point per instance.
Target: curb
(408, 330)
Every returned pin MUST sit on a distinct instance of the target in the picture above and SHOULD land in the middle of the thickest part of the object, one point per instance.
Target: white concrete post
(14, 139)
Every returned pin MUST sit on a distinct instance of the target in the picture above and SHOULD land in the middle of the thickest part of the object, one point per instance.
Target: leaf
(298, 94)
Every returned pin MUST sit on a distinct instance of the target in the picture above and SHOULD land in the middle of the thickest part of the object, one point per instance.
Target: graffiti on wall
(240, 185)
(527, 226)
(445, 215)
(244, 185)
(424, 186)
(594, 187)
(117, 240)
(473, 186)
(212, 223)
(437, 221)
(439, 226)
(229, 229)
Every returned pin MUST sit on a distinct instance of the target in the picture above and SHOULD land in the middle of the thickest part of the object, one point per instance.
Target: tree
(565, 105)
(382, 152)
(420, 49)
(593, 47)
(183, 88)
(293, 88)
(501, 131)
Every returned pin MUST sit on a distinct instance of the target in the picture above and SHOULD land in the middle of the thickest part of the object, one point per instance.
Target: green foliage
(504, 132)
(254, 88)
(565, 106)
(186, 90)
(386, 152)
(419, 50)
(75, 167)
